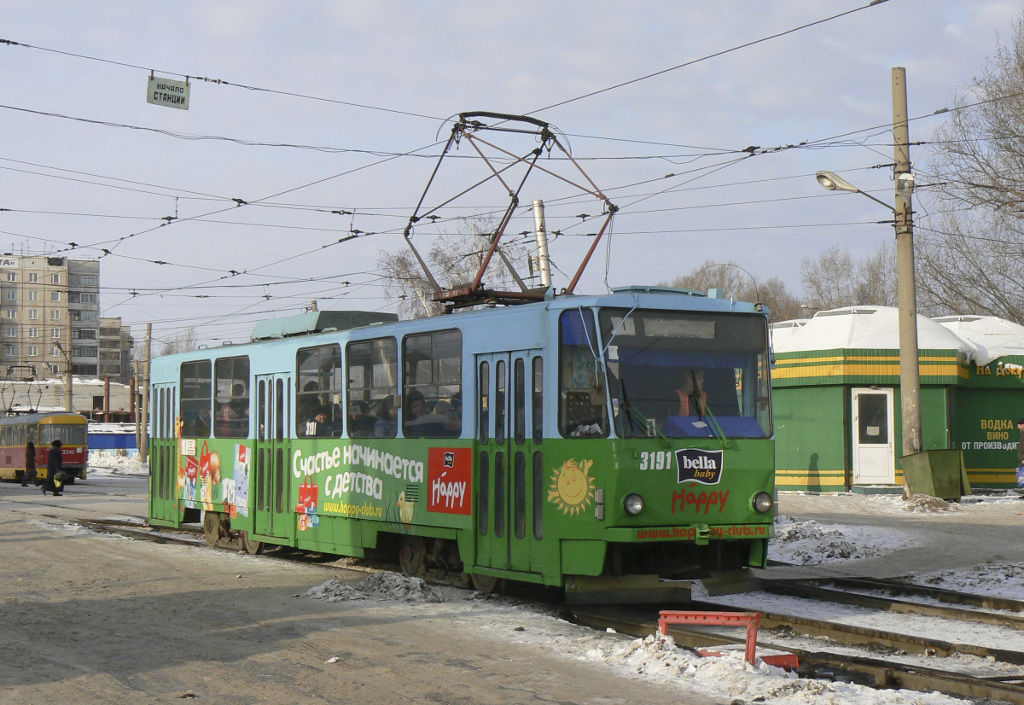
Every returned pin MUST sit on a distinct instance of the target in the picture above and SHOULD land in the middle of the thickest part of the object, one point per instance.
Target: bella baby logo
(703, 466)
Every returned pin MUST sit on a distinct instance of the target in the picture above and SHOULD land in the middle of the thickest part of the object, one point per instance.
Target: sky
(310, 123)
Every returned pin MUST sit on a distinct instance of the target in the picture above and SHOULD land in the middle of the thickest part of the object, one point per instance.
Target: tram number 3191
(656, 460)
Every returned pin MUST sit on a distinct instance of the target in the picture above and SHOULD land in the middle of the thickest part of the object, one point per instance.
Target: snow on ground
(110, 463)
(653, 658)
(656, 658)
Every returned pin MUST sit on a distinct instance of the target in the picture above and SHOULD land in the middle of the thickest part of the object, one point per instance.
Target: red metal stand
(750, 620)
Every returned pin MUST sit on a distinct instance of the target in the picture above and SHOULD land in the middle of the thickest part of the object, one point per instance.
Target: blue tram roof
(318, 322)
(506, 322)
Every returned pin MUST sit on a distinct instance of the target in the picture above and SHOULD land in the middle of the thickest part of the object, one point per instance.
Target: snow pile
(919, 503)
(109, 462)
(657, 658)
(810, 543)
(377, 586)
(926, 503)
(996, 579)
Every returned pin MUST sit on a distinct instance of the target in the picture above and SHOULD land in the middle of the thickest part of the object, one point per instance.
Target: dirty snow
(656, 658)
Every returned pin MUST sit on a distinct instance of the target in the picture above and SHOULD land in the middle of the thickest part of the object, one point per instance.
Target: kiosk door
(873, 448)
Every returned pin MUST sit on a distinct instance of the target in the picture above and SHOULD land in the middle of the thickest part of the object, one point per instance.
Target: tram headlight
(634, 504)
(762, 502)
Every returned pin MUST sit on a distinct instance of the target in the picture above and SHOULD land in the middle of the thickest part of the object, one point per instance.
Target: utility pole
(543, 261)
(69, 397)
(910, 371)
(144, 384)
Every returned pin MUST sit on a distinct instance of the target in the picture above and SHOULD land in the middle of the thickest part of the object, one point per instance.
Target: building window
(33, 351)
(55, 314)
(11, 350)
(55, 333)
(10, 313)
(11, 295)
(12, 276)
(33, 295)
(10, 331)
(33, 314)
(55, 278)
(33, 332)
(54, 296)
(33, 277)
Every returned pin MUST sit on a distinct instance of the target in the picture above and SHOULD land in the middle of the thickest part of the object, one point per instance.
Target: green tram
(616, 446)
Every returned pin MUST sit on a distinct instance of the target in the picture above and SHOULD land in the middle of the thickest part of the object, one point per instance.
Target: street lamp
(910, 371)
(67, 372)
(834, 182)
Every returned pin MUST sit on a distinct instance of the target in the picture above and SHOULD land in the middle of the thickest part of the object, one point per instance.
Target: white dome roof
(868, 327)
(993, 337)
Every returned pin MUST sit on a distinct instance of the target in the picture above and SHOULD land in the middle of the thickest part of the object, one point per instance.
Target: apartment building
(49, 316)
(116, 345)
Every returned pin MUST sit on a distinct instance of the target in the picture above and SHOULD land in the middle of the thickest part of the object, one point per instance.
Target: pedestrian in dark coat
(30, 464)
(54, 466)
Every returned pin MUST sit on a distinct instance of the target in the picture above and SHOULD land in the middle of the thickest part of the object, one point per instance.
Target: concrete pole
(543, 261)
(144, 383)
(910, 371)
(68, 397)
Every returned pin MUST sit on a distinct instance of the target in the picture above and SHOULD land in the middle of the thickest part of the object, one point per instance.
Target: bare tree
(973, 260)
(454, 259)
(184, 341)
(834, 280)
(737, 282)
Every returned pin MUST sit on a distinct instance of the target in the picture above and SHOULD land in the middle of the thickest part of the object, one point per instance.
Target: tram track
(777, 629)
(865, 670)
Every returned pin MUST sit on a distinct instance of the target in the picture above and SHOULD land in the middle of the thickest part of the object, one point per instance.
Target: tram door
(164, 456)
(269, 495)
(873, 445)
(510, 466)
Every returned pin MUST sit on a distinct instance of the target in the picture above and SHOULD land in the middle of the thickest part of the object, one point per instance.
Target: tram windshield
(687, 374)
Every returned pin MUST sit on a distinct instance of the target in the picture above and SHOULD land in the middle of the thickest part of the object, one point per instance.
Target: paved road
(91, 618)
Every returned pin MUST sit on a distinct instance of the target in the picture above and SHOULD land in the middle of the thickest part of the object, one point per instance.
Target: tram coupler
(702, 537)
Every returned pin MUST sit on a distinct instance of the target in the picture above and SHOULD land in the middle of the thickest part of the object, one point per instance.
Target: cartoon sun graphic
(572, 487)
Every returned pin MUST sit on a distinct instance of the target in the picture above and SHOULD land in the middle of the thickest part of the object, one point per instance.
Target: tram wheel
(411, 553)
(211, 528)
(484, 584)
(252, 546)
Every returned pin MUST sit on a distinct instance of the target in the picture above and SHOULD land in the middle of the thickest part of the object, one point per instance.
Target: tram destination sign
(168, 93)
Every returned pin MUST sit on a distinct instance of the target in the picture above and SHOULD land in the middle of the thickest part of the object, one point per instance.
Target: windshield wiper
(636, 417)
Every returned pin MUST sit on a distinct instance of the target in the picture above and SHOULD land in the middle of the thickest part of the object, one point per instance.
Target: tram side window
(320, 413)
(196, 383)
(432, 385)
(582, 411)
(372, 388)
(231, 398)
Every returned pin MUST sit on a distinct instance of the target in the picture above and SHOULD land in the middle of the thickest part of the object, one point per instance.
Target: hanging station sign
(168, 93)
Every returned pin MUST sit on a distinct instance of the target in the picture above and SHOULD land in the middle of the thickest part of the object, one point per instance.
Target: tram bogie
(602, 444)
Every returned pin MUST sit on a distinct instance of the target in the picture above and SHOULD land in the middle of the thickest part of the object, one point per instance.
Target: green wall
(810, 438)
